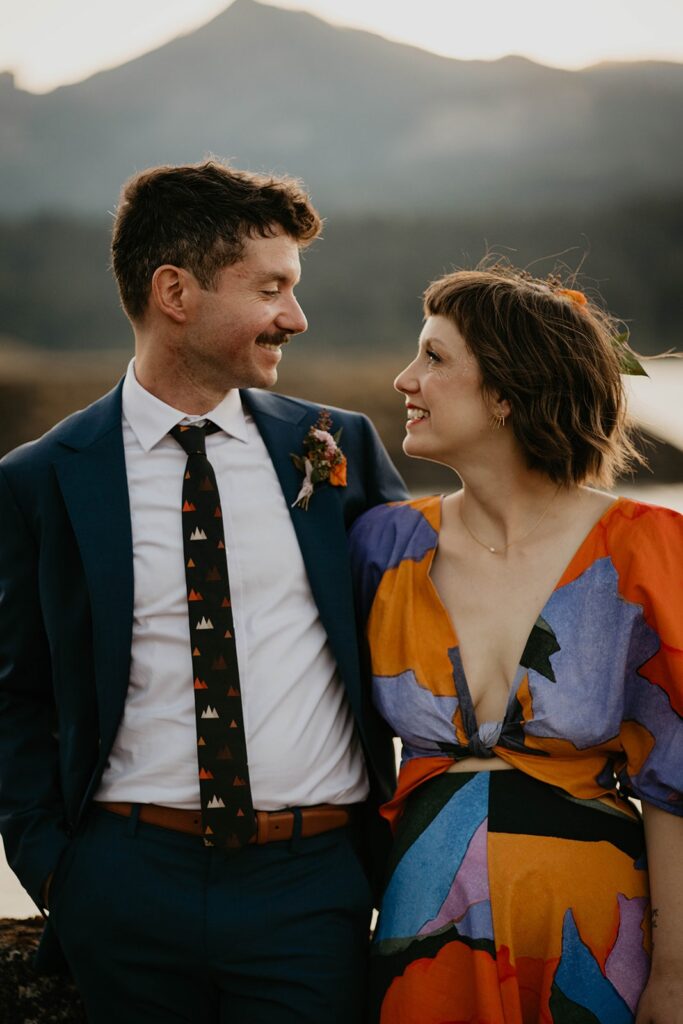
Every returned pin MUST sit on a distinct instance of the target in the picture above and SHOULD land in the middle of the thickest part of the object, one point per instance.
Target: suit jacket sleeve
(382, 480)
(31, 811)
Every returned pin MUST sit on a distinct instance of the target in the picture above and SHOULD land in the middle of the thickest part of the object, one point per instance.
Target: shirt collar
(151, 419)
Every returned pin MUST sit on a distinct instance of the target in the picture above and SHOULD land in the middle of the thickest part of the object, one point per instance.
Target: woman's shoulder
(644, 543)
(429, 507)
(641, 530)
(400, 517)
(389, 533)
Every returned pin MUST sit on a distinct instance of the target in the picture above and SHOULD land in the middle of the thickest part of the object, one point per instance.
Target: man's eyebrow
(276, 276)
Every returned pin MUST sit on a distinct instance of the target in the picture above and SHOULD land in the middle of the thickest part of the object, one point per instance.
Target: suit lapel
(320, 530)
(92, 478)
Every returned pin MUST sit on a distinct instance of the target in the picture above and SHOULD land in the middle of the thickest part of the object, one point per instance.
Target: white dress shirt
(302, 745)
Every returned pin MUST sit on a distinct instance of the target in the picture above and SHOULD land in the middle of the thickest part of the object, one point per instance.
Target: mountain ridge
(368, 123)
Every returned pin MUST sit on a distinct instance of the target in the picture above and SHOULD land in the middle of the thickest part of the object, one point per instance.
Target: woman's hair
(553, 355)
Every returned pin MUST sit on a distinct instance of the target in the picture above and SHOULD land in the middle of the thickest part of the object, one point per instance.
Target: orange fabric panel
(398, 600)
(550, 875)
(459, 986)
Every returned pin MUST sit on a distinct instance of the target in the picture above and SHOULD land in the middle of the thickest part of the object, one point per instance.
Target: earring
(497, 420)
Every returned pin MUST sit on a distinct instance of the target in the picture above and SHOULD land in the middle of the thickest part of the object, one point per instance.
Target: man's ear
(170, 292)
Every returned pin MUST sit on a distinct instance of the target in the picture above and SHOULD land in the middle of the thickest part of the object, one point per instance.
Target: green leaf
(298, 462)
(628, 361)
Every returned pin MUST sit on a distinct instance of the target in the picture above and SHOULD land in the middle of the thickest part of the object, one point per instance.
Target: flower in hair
(628, 361)
(575, 296)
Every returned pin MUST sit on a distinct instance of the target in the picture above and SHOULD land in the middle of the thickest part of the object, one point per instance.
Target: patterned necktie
(228, 818)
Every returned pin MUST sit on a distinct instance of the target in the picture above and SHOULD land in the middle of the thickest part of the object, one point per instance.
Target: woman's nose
(406, 382)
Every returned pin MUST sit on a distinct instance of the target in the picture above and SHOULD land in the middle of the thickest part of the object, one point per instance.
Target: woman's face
(447, 413)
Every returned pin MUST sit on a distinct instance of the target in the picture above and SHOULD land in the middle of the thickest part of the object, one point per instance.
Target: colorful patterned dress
(521, 897)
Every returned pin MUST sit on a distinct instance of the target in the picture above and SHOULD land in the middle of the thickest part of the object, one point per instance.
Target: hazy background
(557, 141)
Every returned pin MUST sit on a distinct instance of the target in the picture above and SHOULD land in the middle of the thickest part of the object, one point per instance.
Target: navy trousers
(158, 928)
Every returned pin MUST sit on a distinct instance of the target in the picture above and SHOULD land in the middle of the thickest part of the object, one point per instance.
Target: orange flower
(323, 460)
(338, 473)
(570, 293)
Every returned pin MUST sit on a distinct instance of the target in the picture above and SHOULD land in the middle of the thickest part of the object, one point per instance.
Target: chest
(437, 645)
(493, 606)
(261, 545)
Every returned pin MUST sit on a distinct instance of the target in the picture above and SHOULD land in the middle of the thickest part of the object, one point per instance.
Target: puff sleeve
(651, 576)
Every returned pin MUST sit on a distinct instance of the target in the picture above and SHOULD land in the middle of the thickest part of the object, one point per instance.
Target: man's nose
(293, 319)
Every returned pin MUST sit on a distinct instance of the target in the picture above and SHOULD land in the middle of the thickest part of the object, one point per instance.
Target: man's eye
(267, 292)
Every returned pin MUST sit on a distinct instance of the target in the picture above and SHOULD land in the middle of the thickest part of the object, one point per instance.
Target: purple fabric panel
(467, 903)
(594, 627)
(628, 965)
(418, 716)
(381, 539)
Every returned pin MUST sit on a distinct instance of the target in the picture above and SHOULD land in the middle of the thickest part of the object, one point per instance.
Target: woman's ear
(504, 407)
(500, 410)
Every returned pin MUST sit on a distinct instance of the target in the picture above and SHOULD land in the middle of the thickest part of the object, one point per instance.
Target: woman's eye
(431, 356)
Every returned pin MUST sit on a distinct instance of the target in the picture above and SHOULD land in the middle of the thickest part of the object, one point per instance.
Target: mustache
(277, 338)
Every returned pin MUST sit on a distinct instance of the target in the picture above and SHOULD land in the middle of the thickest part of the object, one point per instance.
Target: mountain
(370, 125)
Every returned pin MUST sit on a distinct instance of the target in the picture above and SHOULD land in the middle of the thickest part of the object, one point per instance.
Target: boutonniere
(323, 460)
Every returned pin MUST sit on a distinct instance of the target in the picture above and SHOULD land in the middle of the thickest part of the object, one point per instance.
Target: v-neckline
(520, 672)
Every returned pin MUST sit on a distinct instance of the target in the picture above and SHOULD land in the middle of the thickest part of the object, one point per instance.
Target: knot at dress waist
(481, 742)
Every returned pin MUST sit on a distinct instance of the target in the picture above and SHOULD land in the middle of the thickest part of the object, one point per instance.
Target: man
(182, 779)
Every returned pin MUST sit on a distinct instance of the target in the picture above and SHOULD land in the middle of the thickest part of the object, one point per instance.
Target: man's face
(238, 329)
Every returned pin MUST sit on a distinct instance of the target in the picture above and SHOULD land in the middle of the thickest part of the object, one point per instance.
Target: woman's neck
(502, 505)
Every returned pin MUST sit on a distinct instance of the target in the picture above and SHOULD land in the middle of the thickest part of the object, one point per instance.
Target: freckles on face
(445, 408)
(444, 356)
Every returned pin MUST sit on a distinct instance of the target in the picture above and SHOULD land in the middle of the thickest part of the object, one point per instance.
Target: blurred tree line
(362, 281)
(360, 288)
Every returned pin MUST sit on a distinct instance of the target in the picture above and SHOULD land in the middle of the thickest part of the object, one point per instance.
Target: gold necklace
(517, 540)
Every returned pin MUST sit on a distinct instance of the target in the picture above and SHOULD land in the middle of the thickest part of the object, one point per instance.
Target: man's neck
(177, 389)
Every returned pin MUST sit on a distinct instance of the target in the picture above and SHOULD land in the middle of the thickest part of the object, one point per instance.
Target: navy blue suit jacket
(66, 606)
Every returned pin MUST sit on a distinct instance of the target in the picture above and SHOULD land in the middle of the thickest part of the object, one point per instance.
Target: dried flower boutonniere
(323, 461)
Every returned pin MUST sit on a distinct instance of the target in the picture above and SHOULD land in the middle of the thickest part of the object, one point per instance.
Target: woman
(526, 639)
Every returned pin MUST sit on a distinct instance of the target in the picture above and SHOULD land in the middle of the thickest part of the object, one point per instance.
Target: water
(656, 402)
(14, 902)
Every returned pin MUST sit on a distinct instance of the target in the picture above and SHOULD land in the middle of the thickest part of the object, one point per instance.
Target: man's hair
(551, 353)
(197, 217)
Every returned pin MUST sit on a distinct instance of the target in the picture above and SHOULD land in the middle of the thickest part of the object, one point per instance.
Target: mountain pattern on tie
(228, 818)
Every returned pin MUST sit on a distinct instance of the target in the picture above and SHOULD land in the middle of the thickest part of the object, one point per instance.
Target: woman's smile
(415, 414)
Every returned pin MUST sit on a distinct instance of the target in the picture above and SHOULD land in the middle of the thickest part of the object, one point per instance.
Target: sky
(47, 43)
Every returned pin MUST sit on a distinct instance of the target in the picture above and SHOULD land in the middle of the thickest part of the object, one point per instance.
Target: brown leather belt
(271, 825)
